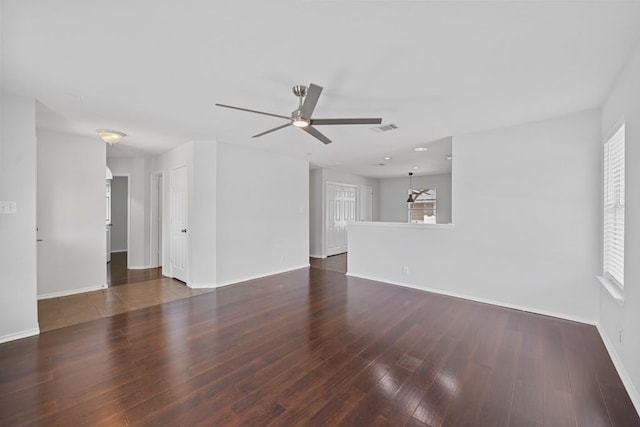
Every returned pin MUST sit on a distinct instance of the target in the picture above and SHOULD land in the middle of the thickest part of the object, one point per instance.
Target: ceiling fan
(301, 117)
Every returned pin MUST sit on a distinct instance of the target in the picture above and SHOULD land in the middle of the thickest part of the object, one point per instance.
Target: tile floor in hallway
(131, 292)
(138, 293)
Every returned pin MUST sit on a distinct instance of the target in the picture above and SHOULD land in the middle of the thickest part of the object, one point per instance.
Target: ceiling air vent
(384, 128)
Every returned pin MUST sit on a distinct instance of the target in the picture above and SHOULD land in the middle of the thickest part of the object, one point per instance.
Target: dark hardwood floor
(337, 263)
(119, 274)
(314, 347)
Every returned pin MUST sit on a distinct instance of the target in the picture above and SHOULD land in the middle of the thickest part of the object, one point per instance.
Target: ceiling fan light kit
(302, 117)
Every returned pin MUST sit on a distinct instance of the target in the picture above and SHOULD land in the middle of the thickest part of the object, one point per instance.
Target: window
(613, 233)
(423, 208)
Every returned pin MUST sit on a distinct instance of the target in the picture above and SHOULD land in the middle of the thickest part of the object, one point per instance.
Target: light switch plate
(8, 207)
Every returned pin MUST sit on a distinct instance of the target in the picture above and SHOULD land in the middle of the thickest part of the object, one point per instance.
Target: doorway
(157, 205)
(341, 207)
(119, 214)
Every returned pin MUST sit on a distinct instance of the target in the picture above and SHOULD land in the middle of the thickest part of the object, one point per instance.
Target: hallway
(128, 290)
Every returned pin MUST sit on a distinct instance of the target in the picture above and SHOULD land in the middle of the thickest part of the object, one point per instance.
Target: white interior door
(178, 222)
(366, 203)
(341, 206)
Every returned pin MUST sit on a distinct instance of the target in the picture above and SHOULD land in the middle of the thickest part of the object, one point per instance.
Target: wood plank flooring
(314, 347)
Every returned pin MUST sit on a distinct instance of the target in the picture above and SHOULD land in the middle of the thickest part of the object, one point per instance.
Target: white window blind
(613, 235)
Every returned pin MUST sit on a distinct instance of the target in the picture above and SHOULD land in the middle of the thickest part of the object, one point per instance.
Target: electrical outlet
(405, 270)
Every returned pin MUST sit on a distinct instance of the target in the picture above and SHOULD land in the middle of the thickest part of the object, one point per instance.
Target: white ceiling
(434, 68)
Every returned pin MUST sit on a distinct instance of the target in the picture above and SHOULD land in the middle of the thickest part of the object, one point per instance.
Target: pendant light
(410, 199)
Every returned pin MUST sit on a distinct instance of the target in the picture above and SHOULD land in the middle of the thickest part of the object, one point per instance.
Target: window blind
(613, 233)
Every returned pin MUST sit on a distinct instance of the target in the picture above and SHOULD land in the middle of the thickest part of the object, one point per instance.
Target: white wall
(317, 185)
(119, 209)
(262, 213)
(624, 104)
(393, 197)
(526, 223)
(70, 214)
(203, 214)
(18, 302)
(138, 171)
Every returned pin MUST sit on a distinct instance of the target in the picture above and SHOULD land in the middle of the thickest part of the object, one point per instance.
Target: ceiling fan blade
(363, 121)
(310, 101)
(316, 134)
(253, 111)
(272, 130)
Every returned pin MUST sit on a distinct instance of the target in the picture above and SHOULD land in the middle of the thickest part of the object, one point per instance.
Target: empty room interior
(320, 212)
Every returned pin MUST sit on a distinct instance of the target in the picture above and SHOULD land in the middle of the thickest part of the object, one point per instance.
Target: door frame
(156, 234)
(128, 176)
(324, 210)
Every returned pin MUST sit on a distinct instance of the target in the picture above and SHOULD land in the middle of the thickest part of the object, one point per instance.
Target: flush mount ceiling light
(418, 149)
(111, 136)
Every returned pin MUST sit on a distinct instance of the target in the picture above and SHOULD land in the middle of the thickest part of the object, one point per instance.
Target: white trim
(482, 300)
(613, 289)
(19, 335)
(622, 372)
(72, 292)
(202, 285)
(118, 251)
(317, 256)
(139, 267)
(400, 225)
(259, 276)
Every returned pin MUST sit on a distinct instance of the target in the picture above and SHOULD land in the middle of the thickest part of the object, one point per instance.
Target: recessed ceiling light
(448, 157)
(420, 149)
(415, 168)
(387, 158)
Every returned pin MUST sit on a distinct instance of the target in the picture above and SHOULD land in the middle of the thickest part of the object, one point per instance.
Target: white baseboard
(622, 372)
(19, 335)
(71, 292)
(483, 300)
(258, 276)
(202, 285)
(119, 251)
(316, 256)
(139, 267)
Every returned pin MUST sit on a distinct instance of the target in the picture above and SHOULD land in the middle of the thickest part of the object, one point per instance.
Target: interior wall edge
(260, 276)
(75, 291)
(19, 335)
(528, 309)
(622, 371)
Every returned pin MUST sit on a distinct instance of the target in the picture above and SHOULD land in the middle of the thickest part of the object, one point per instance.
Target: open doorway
(117, 225)
(157, 203)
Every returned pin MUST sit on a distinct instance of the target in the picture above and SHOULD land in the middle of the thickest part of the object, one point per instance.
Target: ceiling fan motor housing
(300, 91)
